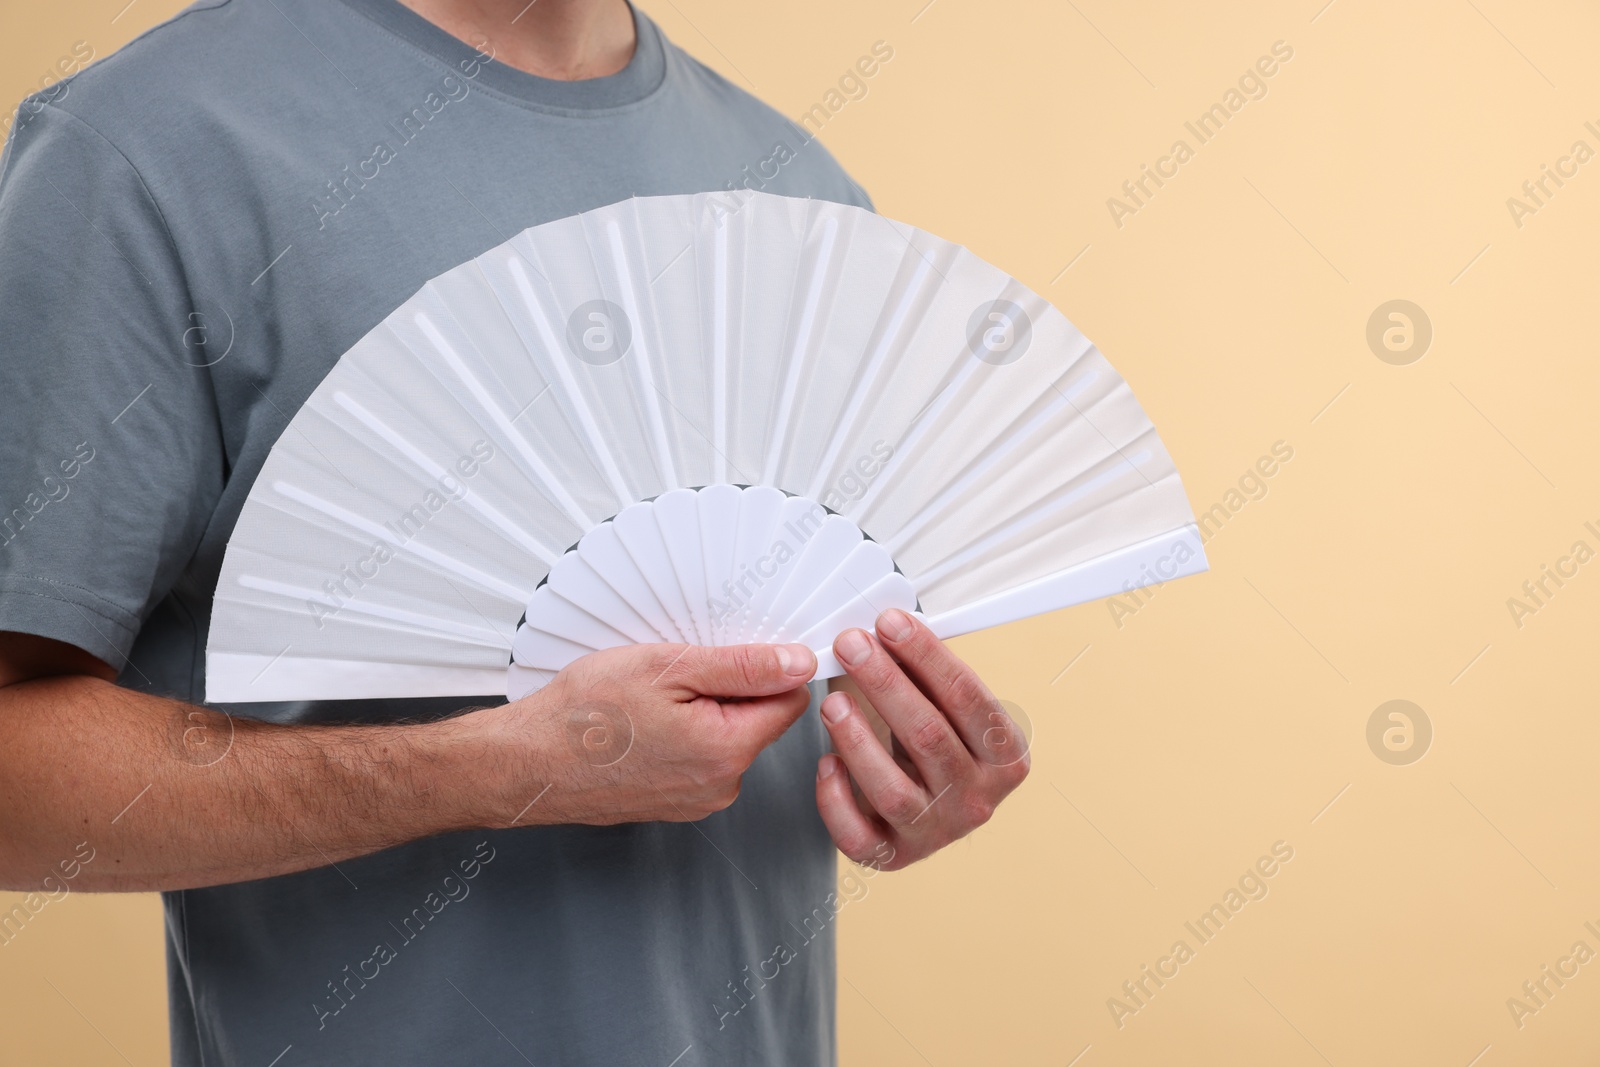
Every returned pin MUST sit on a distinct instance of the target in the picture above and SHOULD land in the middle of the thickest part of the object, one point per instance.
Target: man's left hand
(956, 753)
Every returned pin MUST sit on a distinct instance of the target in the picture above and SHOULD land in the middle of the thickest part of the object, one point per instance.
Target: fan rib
(1071, 496)
(591, 428)
(797, 351)
(1003, 448)
(869, 374)
(891, 590)
(650, 395)
(676, 517)
(914, 433)
(542, 650)
(1132, 567)
(541, 470)
(463, 634)
(641, 539)
(578, 581)
(439, 473)
(604, 550)
(759, 607)
(367, 526)
(720, 507)
(719, 350)
(761, 509)
(249, 676)
(559, 615)
(864, 565)
(823, 551)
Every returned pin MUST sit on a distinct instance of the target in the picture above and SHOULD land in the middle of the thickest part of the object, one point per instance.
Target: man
(191, 232)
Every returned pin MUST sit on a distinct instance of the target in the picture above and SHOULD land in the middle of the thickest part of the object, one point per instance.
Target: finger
(735, 670)
(950, 684)
(920, 726)
(858, 837)
(887, 788)
(759, 722)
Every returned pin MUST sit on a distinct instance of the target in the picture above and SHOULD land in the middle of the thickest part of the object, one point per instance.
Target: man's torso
(314, 163)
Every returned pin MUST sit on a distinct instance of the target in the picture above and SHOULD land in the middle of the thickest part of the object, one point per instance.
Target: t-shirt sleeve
(113, 456)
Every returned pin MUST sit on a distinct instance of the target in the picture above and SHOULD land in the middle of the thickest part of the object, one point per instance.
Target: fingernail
(828, 766)
(835, 707)
(853, 647)
(895, 624)
(796, 660)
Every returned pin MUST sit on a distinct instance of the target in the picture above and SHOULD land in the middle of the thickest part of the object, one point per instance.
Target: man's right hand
(647, 733)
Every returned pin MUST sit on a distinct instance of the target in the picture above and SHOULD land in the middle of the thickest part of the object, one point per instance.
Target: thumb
(740, 670)
(763, 720)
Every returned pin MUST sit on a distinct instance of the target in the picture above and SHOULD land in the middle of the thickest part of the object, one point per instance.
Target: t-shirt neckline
(642, 76)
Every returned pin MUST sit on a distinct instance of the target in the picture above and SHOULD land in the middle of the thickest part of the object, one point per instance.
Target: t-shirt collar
(641, 77)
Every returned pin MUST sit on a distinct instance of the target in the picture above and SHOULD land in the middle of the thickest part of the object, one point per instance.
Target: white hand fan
(710, 419)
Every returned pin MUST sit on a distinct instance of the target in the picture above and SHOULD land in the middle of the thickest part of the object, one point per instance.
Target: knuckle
(859, 848)
(976, 809)
(708, 798)
(726, 768)
(921, 646)
(930, 739)
(725, 797)
(887, 858)
(928, 736)
(968, 691)
(877, 673)
(900, 804)
(1015, 774)
(854, 735)
(749, 665)
(667, 663)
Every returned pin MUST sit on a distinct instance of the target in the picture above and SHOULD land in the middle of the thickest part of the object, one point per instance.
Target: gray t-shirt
(191, 232)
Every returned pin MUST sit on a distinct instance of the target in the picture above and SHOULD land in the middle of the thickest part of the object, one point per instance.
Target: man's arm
(170, 796)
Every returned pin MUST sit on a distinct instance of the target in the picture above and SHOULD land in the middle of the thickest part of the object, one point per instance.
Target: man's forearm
(170, 796)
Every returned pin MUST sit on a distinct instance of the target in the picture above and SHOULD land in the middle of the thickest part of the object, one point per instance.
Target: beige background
(1231, 711)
